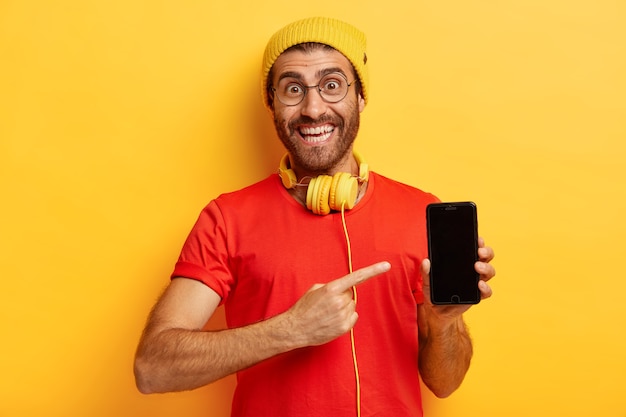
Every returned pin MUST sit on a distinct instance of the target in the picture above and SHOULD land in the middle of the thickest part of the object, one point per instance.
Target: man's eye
(332, 85)
(293, 90)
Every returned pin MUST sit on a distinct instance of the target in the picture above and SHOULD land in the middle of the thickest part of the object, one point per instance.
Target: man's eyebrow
(331, 70)
(290, 74)
(321, 73)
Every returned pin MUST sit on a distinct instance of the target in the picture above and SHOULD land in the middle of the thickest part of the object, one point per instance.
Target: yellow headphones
(326, 192)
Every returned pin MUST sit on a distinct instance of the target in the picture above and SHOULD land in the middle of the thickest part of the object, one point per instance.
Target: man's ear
(270, 106)
(361, 102)
(270, 100)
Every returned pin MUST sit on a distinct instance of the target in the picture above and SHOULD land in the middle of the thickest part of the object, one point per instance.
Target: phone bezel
(435, 284)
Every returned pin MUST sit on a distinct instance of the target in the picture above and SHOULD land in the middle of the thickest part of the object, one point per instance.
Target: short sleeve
(204, 256)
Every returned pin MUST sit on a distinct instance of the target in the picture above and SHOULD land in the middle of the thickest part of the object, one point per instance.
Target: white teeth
(317, 130)
(312, 134)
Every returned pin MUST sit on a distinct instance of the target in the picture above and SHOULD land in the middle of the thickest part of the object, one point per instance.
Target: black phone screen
(452, 250)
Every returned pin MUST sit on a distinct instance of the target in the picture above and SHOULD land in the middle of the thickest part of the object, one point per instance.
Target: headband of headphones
(289, 179)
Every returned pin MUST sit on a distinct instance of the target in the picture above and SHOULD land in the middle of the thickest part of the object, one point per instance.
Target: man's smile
(316, 134)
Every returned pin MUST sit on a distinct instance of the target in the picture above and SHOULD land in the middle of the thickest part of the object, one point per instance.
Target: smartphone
(453, 250)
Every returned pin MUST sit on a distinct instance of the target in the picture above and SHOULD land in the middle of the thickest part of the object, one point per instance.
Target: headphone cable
(354, 295)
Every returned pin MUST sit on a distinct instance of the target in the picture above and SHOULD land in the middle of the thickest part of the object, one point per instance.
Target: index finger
(358, 277)
(485, 253)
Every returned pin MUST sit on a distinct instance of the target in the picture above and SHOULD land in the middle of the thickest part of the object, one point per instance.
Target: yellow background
(120, 120)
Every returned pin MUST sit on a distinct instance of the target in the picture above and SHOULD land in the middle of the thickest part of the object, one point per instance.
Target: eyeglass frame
(306, 89)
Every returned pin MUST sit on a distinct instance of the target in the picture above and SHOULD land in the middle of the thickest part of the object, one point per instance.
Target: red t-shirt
(260, 250)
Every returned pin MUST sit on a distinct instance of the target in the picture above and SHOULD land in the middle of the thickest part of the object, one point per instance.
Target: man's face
(317, 134)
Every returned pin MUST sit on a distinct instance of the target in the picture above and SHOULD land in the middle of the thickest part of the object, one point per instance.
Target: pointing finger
(358, 277)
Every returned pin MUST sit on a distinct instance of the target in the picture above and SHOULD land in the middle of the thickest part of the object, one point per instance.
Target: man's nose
(313, 105)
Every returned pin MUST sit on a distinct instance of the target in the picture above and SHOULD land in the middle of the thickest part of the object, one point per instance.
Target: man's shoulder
(247, 202)
(255, 190)
(398, 189)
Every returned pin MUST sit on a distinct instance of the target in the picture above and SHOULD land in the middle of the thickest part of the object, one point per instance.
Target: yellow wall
(119, 120)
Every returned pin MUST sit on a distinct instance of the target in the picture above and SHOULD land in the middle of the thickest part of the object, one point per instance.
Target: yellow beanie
(343, 37)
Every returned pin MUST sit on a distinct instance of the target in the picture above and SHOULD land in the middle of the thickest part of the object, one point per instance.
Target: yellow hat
(343, 37)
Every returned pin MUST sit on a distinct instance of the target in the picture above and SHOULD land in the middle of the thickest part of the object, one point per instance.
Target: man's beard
(319, 159)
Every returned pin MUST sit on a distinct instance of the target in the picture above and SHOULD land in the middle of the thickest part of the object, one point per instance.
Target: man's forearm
(180, 359)
(444, 357)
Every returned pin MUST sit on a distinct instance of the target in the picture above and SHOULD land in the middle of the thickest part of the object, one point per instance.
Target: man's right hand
(327, 311)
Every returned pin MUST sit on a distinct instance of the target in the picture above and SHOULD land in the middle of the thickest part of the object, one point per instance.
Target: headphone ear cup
(286, 174)
(326, 193)
(317, 195)
(344, 188)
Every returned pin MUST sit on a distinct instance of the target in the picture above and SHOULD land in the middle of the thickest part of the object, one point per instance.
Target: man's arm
(175, 354)
(445, 352)
(445, 348)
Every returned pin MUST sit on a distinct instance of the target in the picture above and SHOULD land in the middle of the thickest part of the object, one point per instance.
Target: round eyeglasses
(332, 87)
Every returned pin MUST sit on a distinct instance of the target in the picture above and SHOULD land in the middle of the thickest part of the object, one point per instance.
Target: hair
(307, 48)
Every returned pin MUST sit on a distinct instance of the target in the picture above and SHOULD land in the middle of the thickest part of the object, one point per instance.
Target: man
(306, 335)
